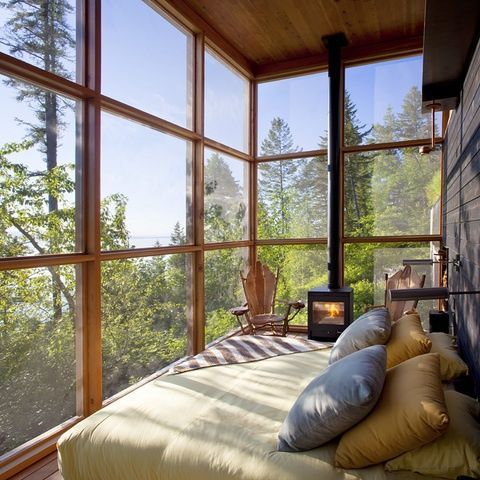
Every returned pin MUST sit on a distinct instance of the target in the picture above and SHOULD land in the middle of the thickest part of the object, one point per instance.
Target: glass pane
(292, 198)
(226, 197)
(144, 317)
(367, 263)
(301, 268)
(293, 114)
(392, 192)
(40, 165)
(37, 351)
(139, 47)
(383, 102)
(226, 104)
(42, 33)
(223, 290)
(146, 186)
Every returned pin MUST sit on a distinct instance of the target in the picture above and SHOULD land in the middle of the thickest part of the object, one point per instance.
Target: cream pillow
(451, 365)
(457, 452)
(411, 412)
(407, 340)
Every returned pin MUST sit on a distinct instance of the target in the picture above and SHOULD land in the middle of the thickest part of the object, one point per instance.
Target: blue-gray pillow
(371, 328)
(334, 401)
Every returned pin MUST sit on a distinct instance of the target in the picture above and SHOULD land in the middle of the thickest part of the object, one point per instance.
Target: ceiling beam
(351, 55)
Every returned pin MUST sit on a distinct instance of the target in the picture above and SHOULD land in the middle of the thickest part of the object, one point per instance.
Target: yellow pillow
(410, 413)
(451, 365)
(457, 452)
(407, 340)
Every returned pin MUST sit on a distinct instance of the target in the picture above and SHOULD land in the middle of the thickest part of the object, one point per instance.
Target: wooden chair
(405, 278)
(260, 288)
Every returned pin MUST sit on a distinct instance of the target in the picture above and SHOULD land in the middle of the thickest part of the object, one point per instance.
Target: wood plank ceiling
(273, 31)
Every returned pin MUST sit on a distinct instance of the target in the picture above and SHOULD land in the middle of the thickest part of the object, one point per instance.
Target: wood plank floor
(44, 469)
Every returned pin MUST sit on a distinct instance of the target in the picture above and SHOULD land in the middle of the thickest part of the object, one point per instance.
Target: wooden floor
(45, 469)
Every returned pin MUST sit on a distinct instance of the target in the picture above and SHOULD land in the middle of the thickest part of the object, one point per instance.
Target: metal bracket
(457, 263)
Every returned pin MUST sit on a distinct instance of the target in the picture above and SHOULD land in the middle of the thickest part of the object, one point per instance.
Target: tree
(276, 182)
(358, 170)
(310, 200)
(402, 178)
(225, 208)
(399, 196)
(38, 30)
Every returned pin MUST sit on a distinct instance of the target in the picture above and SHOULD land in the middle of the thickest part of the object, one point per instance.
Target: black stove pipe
(334, 44)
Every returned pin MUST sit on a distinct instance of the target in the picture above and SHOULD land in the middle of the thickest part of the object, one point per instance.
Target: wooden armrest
(297, 304)
(238, 311)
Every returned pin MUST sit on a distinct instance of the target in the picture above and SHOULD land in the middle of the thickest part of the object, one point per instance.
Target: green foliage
(218, 323)
(225, 209)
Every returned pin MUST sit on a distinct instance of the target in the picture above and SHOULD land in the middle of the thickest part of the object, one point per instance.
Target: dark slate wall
(462, 214)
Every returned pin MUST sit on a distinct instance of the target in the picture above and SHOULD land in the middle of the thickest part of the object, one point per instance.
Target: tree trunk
(51, 133)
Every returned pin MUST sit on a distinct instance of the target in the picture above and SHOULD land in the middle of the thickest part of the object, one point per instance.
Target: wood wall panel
(462, 215)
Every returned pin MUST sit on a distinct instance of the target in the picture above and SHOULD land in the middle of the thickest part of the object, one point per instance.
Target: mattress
(209, 424)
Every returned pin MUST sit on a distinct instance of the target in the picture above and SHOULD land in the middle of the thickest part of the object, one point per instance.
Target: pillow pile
(383, 392)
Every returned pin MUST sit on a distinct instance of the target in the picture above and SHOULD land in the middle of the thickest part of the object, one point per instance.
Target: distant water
(148, 241)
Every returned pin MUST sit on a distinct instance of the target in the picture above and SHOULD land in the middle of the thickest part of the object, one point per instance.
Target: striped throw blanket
(247, 348)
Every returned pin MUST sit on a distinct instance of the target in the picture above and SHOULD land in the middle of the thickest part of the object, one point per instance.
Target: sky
(144, 64)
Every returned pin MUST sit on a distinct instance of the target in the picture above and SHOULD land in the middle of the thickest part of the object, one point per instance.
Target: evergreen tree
(276, 183)
(402, 179)
(311, 198)
(38, 30)
(225, 208)
(411, 122)
(357, 175)
(177, 236)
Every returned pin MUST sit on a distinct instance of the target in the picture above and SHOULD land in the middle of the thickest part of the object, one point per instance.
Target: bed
(212, 423)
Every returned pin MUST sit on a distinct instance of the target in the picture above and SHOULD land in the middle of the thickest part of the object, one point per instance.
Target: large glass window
(226, 104)
(144, 317)
(139, 47)
(146, 186)
(300, 268)
(367, 263)
(223, 290)
(383, 102)
(293, 114)
(292, 198)
(39, 157)
(42, 33)
(392, 192)
(37, 351)
(226, 197)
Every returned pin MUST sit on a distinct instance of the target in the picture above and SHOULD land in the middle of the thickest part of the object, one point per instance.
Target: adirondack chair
(258, 313)
(405, 278)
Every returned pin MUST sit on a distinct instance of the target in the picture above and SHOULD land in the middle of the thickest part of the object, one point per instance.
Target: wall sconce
(456, 262)
(425, 149)
(433, 293)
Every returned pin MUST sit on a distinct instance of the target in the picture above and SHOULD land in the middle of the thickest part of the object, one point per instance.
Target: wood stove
(330, 311)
